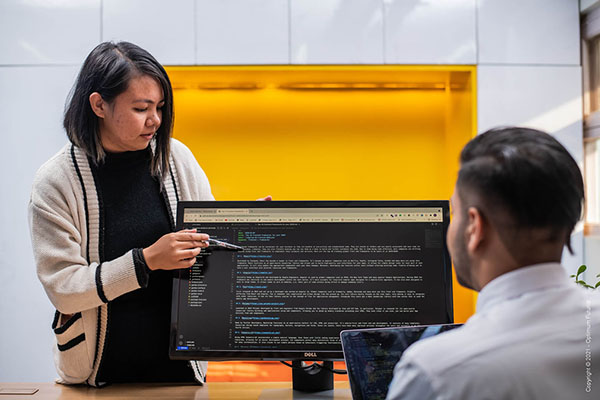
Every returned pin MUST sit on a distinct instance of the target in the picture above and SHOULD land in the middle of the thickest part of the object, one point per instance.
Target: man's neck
(490, 269)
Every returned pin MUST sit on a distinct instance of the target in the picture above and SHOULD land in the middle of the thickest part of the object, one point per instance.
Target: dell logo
(312, 355)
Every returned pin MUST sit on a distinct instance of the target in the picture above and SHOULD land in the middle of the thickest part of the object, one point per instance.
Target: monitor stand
(289, 394)
(309, 383)
(313, 378)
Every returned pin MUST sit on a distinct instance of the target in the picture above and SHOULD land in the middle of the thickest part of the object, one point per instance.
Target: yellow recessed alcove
(328, 132)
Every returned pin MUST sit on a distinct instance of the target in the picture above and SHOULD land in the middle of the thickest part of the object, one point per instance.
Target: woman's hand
(175, 250)
(267, 198)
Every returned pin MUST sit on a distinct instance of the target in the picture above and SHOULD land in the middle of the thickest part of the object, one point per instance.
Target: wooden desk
(212, 391)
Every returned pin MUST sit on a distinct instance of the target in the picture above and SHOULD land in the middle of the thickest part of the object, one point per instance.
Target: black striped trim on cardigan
(94, 172)
(100, 352)
(85, 204)
(87, 219)
(142, 272)
(165, 197)
(97, 382)
(99, 287)
(197, 371)
(71, 343)
(174, 185)
(67, 325)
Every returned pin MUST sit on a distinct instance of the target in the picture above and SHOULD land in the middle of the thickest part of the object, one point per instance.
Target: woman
(101, 219)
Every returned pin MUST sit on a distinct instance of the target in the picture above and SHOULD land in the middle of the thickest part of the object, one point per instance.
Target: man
(535, 334)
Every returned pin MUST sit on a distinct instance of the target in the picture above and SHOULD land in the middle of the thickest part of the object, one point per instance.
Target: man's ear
(476, 230)
(98, 104)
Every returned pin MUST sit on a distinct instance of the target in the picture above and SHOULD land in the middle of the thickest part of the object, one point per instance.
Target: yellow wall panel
(328, 132)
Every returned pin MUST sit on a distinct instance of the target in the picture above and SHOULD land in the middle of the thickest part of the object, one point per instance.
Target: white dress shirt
(535, 335)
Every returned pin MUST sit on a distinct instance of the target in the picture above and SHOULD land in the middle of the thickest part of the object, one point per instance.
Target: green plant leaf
(597, 284)
(581, 270)
(584, 284)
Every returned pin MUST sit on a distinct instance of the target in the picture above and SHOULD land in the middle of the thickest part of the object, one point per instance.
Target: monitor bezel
(275, 355)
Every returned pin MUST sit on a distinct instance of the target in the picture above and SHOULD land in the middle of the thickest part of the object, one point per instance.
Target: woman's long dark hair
(108, 69)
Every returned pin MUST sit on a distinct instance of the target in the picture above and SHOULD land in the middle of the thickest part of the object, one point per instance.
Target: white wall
(529, 74)
(526, 51)
(42, 44)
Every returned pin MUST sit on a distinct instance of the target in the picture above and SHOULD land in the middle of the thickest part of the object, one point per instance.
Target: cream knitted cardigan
(64, 220)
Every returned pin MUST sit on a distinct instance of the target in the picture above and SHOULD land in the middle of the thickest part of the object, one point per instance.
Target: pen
(225, 245)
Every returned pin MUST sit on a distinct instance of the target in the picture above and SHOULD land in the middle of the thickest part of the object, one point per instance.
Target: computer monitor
(307, 270)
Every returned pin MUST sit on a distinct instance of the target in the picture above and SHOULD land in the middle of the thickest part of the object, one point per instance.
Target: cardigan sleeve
(58, 232)
(192, 179)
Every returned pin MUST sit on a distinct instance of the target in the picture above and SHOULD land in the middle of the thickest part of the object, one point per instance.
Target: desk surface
(212, 391)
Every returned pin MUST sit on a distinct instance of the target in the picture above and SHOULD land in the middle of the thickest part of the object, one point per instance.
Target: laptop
(372, 354)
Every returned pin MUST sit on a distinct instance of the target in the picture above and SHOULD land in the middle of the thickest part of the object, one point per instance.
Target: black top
(134, 213)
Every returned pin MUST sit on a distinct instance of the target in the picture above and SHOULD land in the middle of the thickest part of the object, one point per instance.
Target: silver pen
(225, 245)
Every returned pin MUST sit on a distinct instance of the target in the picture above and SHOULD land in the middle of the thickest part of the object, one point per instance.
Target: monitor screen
(307, 270)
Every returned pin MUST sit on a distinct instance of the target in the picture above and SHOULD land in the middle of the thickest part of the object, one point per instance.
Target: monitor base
(312, 378)
(289, 394)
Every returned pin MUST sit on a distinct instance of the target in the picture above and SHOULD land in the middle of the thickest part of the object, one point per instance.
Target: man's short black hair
(526, 175)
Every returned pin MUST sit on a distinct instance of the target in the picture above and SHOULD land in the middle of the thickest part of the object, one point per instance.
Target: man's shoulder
(442, 351)
(480, 340)
(439, 364)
